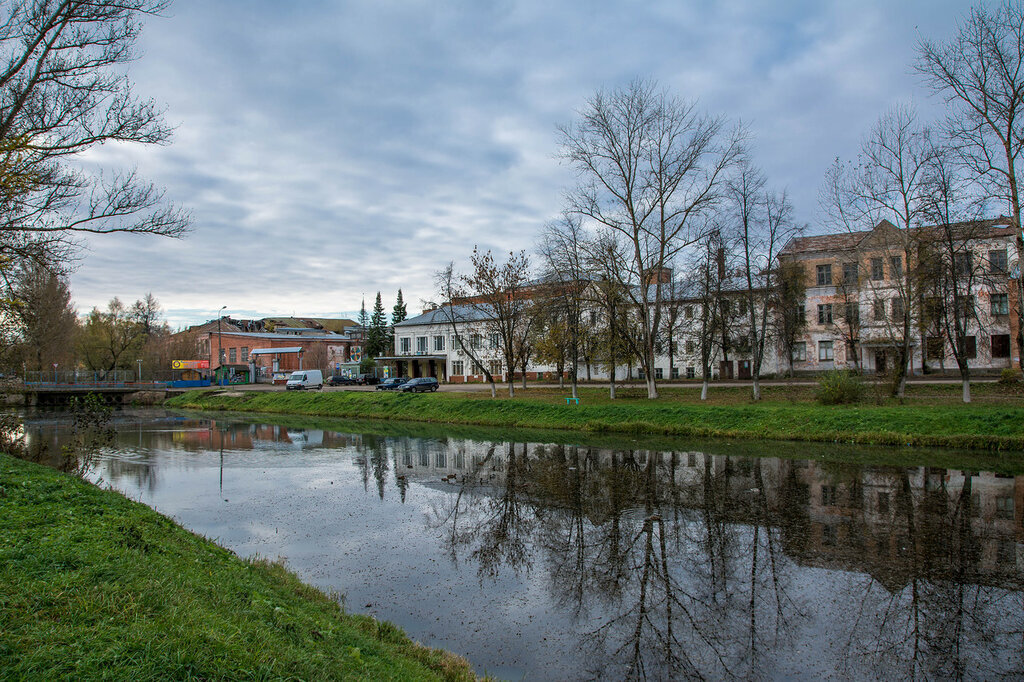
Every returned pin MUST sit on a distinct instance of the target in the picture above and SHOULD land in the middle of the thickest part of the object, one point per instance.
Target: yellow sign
(190, 364)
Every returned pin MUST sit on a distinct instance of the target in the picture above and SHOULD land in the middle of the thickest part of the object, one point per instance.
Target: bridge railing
(89, 378)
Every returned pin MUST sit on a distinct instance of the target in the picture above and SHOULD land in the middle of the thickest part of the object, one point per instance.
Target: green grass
(997, 426)
(94, 586)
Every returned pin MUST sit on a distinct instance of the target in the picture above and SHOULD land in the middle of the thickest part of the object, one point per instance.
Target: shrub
(839, 387)
(1009, 376)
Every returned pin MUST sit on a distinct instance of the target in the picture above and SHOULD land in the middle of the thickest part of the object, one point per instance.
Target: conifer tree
(398, 313)
(377, 335)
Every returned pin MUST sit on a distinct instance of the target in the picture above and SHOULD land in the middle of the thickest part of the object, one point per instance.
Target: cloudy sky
(328, 150)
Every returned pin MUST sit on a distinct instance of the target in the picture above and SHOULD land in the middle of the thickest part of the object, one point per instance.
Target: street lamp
(220, 347)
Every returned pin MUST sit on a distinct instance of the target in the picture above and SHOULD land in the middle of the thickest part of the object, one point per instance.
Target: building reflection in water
(672, 564)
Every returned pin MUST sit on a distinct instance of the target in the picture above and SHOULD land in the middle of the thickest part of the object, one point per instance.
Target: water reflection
(644, 564)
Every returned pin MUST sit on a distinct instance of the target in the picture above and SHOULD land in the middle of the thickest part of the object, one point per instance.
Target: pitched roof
(993, 227)
(444, 315)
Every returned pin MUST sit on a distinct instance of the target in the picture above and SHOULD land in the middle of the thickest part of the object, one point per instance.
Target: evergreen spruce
(377, 335)
(398, 313)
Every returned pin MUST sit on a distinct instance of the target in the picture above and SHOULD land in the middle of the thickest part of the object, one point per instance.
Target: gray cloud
(330, 150)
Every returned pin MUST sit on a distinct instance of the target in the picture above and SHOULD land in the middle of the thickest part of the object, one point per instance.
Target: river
(608, 560)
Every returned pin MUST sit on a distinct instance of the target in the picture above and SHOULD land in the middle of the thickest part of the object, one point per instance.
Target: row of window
(999, 348)
(423, 343)
(232, 355)
(999, 304)
(963, 264)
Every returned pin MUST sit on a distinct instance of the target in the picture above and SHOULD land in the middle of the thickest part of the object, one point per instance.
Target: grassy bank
(978, 427)
(94, 586)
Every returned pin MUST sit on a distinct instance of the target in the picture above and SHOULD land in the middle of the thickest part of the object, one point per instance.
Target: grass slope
(94, 586)
(983, 427)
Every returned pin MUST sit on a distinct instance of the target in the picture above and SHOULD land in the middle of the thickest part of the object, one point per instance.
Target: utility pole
(220, 347)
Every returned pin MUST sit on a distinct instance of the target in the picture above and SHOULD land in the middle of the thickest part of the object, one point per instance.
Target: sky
(328, 150)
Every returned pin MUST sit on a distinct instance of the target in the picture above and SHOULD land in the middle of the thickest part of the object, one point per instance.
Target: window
(1000, 345)
(825, 350)
(801, 315)
(495, 340)
(475, 341)
(968, 346)
(659, 373)
(1000, 304)
(824, 313)
(800, 351)
(688, 312)
(896, 266)
(458, 368)
(897, 309)
(439, 342)
(424, 459)
(878, 312)
(232, 355)
(883, 503)
(405, 344)
(1004, 507)
(852, 313)
(245, 353)
(877, 273)
(455, 342)
(743, 306)
(967, 307)
(421, 344)
(440, 460)
(824, 275)
(675, 372)
(850, 273)
(997, 262)
(495, 368)
(593, 318)
(828, 495)
(936, 348)
(963, 263)
(691, 372)
(690, 346)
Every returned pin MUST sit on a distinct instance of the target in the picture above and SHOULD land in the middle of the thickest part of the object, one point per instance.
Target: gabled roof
(847, 241)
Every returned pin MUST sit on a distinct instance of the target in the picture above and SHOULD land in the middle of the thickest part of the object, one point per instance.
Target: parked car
(339, 380)
(367, 380)
(305, 378)
(392, 383)
(420, 385)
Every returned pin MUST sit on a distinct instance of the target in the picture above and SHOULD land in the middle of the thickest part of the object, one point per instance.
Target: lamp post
(220, 348)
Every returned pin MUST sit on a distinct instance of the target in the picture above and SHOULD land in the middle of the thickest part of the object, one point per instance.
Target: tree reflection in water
(674, 570)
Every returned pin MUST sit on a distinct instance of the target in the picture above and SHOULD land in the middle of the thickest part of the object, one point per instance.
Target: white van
(305, 378)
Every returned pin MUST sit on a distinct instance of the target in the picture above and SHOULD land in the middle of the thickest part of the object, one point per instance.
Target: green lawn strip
(94, 586)
(987, 427)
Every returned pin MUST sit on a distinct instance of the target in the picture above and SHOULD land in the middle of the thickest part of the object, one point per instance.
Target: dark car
(392, 383)
(420, 385)
(367, 380)
(341, 381)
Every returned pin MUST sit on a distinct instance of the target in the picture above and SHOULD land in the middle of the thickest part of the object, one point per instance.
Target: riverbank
(995, 427)
(94, 585)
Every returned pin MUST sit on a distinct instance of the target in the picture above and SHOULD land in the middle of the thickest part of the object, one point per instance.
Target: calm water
(542, 561)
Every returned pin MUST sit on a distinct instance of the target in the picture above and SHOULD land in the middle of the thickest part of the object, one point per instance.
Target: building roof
(273, 351)
(336, 325)
(287, 337)
(978, 229)
(445, 314)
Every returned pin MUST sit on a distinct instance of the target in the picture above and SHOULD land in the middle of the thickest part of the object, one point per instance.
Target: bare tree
(763, 224)
(564, 253)
(500, 294)
(707, 271)
(789, 298)
(980, 74)
(891, 184)
(461, 319)
(608, 298)
(65, 92)
(651, 166)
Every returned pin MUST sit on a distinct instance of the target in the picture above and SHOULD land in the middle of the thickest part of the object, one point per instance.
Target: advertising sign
(190, 364)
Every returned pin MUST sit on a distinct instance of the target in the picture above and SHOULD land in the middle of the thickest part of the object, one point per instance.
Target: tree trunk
(652, 388)
(494, 389)
(561, 374)
(704, 388)
(611, 379)
(757, 387)
(575, 372)
(965, 377)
